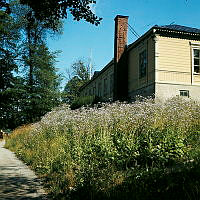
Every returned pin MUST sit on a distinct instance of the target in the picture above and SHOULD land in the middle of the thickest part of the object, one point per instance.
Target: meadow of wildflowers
(143, 150)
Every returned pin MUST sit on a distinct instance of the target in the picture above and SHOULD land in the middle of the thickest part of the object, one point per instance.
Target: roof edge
(100, 72)
(149, 32)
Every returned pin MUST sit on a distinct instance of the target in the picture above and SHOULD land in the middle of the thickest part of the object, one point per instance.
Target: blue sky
(81, 38)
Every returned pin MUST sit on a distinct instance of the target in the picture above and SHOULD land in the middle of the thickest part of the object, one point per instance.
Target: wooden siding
(169, 68)
(134, 82)
(197, 79)
(174, 63)
(100, 81)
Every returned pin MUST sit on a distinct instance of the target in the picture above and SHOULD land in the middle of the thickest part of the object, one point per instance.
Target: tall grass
(143, 150)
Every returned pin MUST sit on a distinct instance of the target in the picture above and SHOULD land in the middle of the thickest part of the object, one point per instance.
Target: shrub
(85, 101)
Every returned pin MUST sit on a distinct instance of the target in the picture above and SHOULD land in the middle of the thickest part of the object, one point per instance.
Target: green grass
(144, 150)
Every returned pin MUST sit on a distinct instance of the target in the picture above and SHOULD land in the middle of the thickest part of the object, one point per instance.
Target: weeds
(143, 150)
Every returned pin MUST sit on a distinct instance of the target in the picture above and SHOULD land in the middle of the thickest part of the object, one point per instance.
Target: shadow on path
(17, 181)
(18, 188)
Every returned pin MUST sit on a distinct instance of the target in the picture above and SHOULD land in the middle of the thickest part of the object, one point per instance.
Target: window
(111, 83)
(196, 61)
(94, 89)
(99, 89)
(142, 64)
(184, 93)
(105, 86)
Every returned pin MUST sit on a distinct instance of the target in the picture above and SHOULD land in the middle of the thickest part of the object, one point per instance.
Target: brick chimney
(121, 26)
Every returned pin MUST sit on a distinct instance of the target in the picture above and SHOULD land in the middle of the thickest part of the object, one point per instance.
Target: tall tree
(80, 74)
(41, 79)
(29, 94)
(9, 35)
(43, 94)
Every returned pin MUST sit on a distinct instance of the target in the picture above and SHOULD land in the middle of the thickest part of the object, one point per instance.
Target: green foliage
(84, 101)
(9, 34)
(144, 150)
(29, 84)
(80, 75)
(81, 69)
(5, 5)
(71, 89)
(43, 94)
(12, 105)
(53, 11)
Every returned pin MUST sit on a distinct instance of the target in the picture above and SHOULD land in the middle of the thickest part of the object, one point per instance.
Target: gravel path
(17, 181)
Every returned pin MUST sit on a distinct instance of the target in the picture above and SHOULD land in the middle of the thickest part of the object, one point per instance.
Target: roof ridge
(177, 27)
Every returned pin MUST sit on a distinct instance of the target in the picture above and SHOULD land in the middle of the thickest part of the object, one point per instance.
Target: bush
(85, 101)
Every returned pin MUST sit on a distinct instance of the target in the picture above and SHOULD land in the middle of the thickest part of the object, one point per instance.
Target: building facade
(164, 62)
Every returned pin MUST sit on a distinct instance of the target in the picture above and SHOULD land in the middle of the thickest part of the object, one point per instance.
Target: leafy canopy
(53, 10)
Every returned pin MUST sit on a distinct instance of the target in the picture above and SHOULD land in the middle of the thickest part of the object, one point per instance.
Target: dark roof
(173, 28)
(176, 27)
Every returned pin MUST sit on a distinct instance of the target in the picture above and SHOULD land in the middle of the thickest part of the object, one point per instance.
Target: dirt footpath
(17, 181)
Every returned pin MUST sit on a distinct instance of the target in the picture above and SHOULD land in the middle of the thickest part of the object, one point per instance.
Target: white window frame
(105, 86)
(144, 64)
(94, 89)
(111, 83)
(99, 89)
(193, 72)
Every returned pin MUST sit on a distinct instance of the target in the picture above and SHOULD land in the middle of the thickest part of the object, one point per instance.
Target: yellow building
(163, 63)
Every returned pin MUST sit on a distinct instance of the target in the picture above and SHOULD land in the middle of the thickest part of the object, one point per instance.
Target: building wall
(136, 85)
(174, 71)
(169, 70)
(166, 91)
(102, 85)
